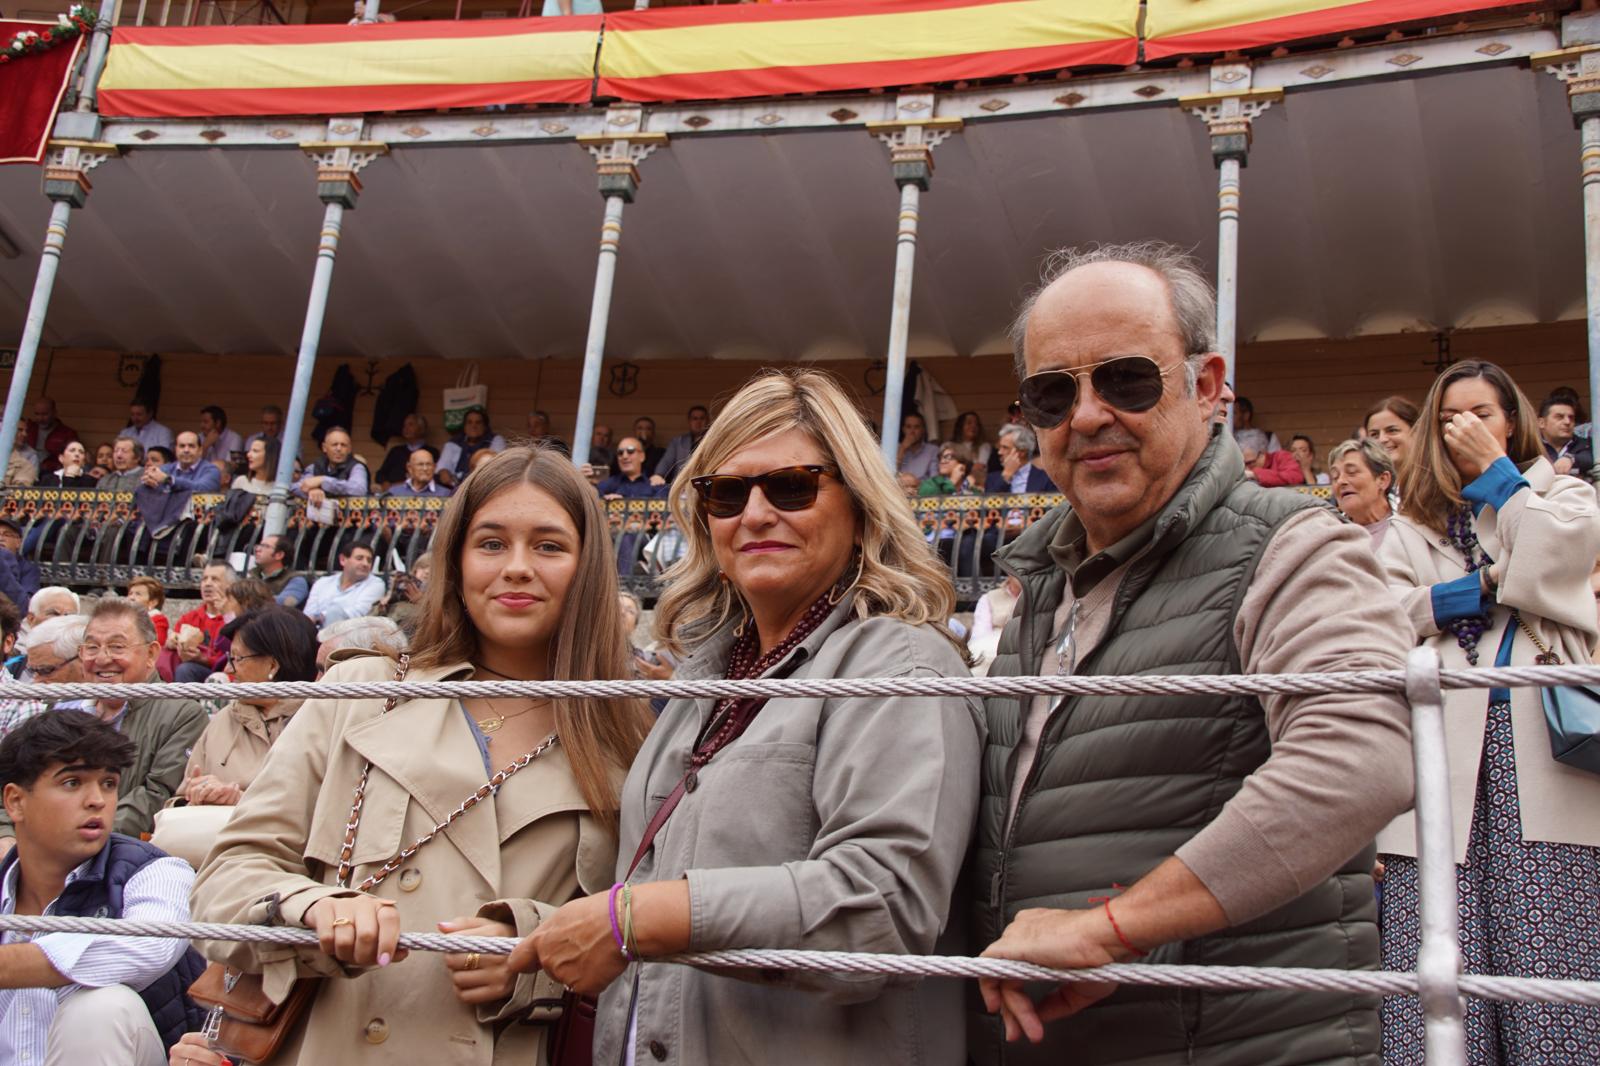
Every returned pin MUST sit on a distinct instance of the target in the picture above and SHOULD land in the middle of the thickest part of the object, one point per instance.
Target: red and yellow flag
(1176, 27)
(287, 70)
(738, 50)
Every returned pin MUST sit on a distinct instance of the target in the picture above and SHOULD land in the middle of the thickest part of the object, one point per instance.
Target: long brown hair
(1430, 485)
(600, 736)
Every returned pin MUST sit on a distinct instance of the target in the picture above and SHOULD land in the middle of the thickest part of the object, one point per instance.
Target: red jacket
(212, 625)
(1281, 469)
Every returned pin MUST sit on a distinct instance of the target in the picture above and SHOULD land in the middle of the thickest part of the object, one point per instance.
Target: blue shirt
(405, 488)
(637, 489)
(1019, 480)
(201, 477)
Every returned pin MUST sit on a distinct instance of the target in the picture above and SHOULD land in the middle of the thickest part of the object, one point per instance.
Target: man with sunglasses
(630, 482)
(1229, 829)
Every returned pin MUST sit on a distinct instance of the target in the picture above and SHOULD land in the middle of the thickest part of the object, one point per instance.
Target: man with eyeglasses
(50, 657)
(120, 648)
(1228, 829)
(630, 483)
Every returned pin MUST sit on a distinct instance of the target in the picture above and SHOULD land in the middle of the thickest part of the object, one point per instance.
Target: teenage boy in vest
(70, 997)
(1221, 829)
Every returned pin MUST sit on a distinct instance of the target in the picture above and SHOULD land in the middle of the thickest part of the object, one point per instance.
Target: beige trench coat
(1544, 545)
(517, 858)
(234, 746)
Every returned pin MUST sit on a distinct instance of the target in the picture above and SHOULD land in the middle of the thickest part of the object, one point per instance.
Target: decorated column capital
(340, 158)
(1579, 69)
(911, 137)
(620, 149)
(1229, 109)
(67, 165)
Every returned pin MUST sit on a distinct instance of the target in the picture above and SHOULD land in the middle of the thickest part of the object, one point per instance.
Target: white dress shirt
(330, 602)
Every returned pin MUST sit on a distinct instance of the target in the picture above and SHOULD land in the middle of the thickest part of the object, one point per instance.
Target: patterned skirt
(1526, 909)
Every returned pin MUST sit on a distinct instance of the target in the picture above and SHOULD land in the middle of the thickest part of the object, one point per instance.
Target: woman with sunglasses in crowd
(523, 589)
(798, 822)
(1492, 552)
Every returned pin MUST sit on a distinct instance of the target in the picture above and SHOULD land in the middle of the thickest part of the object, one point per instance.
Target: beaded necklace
(1468, 630)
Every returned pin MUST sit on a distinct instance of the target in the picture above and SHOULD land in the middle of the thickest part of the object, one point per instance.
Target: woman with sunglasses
(523, 589)
(798, 822)
(1491, 553)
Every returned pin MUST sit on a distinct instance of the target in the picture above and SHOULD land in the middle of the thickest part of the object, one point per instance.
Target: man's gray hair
(1255, 440)
(121, 606)
(229, 572)
(1022, 438)
(371, 633)
(61, 634)
(1194, 301)
(38, 599)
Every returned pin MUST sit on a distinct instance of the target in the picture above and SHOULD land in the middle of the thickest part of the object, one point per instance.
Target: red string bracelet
(1115, 928)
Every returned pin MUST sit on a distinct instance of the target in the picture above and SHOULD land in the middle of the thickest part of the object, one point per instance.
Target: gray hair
(217, 564)
(1254, 439)
(1371, 453)
(62, 634)
(1022, 438)
(36, 601)
(1194, 301)
(371, 633)
(121, 606)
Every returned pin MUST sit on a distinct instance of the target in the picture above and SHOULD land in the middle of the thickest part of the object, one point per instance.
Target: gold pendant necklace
(493, 723)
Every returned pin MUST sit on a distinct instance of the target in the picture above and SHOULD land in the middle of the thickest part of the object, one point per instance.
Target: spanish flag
(1178, 27)
(321, 70)
(739, 50)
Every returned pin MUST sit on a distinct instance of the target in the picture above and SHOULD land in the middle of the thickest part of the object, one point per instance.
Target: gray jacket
(835, 824)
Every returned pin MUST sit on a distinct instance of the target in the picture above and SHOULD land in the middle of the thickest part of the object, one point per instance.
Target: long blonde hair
(1430, 484)
(900, 576)
(599, 736)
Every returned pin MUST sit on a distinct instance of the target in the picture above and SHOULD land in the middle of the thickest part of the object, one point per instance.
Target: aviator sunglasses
(791, 488)
(1131, 383)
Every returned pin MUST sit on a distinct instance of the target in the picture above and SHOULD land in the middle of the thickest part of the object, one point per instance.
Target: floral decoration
(77, 22)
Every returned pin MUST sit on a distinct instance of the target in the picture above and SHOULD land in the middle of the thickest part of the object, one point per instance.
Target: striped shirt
(158, 892)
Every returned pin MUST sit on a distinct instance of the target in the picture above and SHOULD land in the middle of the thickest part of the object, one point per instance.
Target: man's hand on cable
(1061, 940)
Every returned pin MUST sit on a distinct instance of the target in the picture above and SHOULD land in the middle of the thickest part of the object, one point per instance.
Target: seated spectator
(381, 635)
(1016, 446)
(630, 483)
(943, 483)
(405, 592)
(47, 435)
(289, 587)
(336, 473)
(143, 427)
(191, 650)
(1558, 423)
(127, 466)
(968, 431)
(187, 473)
(989, 620)
(102, 460)
(351, 593)
(261, 467)
(644, 431)
(1363, 485)
(51, 658)
(244, 595)
(22, 469)
(1244, 417)
(419, 479)
(73, 997)
(218, 443)
(413, 438)
(19, 576)
(153, 594)
(1269, 469)
(539, 432)
(1302, 449)
(52, 601)
(119, 648)
(455, 461)
(66, 470)
(917, 455)
(682, 446)
(271, 426)
(14, 655)
(600, 450)
(908, 484)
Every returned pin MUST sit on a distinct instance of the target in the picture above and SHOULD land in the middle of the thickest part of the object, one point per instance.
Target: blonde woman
(834, 824)
(524, 588)
(1492, 552)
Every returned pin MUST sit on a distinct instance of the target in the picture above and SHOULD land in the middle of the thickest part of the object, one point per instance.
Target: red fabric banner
(31, 87)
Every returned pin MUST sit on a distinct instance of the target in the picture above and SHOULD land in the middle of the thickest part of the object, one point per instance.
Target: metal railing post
(1439, 958)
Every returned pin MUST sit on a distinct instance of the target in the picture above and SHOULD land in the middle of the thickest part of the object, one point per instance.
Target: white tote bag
(466, 395)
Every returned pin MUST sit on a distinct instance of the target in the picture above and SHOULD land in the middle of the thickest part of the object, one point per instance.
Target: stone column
(617, 158)
(338, 160)
(1228, 111)
(911, 139)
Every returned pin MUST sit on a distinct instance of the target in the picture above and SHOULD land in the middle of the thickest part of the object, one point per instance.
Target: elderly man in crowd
(601, 453)
(351, 593)
(413, 438)
(120, 648)
(52, 659)
(127, 466)
(1241, 826)
(47, 434)
(644, 431)
(52, 601)
(143, 427)
(630, 483)
(271, 426)
(382, 635)
(1016, 447)
(189, 472)
(1269, 469)
(22, 469)
(336, 473)
(218, 443)
(289, 587)
(539, 432)
(419, 480)
(682, 446)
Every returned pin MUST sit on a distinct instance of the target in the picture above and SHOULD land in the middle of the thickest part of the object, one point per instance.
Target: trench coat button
(691, 781)
(410, 879)
(658, 1051)
(377, 1031)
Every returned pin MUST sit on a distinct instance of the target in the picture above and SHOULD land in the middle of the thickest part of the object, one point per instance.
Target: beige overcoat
(234, 746)
(517, 858)
(1544, 545)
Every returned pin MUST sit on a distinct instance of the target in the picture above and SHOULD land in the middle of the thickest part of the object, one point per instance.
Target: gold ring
(472, 962)
(337, 922)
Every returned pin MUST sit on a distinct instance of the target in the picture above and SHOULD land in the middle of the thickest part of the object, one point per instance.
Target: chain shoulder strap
(354, 822)
(1546, 657)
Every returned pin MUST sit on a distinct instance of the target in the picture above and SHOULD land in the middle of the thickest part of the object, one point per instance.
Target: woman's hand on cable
(192, 1050)
(1059, 939)
(575, 946)
(479, 978)
(1471, 444)
(357, 930)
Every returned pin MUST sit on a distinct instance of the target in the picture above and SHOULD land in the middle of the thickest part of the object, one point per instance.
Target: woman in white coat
(1492, 552)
